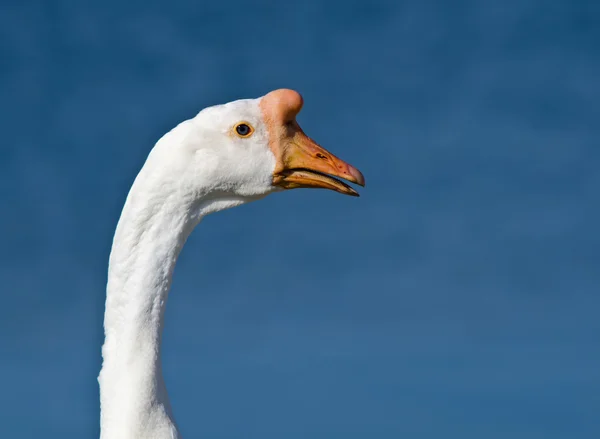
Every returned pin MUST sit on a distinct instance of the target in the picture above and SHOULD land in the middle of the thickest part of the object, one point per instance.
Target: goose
(225, 156)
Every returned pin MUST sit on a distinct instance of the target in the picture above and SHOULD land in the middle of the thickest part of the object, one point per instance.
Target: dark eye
(244, 129)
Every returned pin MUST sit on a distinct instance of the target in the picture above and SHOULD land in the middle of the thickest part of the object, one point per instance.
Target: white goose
(225, 156)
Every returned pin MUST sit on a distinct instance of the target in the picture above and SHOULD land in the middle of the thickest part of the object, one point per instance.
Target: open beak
(302, 163)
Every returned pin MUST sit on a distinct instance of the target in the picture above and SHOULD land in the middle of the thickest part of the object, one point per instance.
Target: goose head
(247, 149)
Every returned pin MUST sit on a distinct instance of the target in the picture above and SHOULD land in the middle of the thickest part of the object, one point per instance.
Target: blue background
(458, 297)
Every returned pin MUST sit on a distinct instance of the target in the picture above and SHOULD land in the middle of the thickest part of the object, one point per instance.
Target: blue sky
(458, 297)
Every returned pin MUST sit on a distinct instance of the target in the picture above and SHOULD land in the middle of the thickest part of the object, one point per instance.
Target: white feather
(197, 168)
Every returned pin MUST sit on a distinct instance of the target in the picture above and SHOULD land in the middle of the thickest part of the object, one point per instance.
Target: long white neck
(152, 230)
(133, 396)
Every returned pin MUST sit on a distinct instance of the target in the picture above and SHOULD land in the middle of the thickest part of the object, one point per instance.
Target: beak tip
(359, 178)
(351, 191)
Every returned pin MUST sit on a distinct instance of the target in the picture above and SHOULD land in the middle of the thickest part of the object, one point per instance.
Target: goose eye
(244, 129)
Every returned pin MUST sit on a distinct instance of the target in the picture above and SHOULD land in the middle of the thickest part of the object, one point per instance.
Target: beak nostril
(320, 156)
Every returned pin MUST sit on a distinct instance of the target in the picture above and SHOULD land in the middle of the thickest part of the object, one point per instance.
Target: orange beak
(301, 162)
(305, 164)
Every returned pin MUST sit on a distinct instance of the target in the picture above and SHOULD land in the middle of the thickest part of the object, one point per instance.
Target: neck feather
(149, 237)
